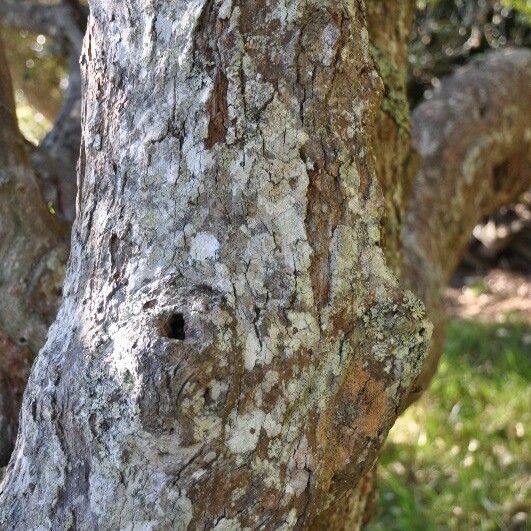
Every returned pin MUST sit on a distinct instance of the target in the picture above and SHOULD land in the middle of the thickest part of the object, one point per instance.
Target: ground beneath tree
(498, 296)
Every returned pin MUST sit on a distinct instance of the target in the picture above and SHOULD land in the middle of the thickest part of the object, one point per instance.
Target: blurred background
(460, 457)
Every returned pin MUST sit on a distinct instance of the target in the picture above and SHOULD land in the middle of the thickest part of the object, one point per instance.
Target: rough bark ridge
(232, 348)
(389, 24)
(474, 138)
(32, 258)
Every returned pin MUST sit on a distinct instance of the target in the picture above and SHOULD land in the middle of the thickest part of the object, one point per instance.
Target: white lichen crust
(232, 348)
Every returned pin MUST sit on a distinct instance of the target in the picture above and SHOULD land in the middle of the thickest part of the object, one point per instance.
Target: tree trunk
(234, 343)
(232, 348)
(32, 258)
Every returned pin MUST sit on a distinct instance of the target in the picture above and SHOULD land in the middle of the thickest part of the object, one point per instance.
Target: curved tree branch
(474, 137)
(56, 157)
(33, 246)
(32, 257)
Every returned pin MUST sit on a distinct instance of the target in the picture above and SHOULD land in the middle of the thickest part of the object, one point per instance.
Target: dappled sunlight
(33, 125)
(500, 296)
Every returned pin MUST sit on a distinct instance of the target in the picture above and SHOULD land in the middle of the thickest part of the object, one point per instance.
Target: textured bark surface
(234, 344)
(389, 25)
(474, 137)
(32, 258)
(232, 348)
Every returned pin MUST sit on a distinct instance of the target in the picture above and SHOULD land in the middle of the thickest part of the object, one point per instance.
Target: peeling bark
(32, 258)
(474, 137)
(232, 348)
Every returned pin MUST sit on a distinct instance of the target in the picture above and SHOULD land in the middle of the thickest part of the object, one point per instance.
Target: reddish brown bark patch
(218, 109)
(351, 427)
(323, 215)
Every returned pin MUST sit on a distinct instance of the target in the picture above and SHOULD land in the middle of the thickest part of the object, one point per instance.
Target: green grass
(459, 459)
(33, 125)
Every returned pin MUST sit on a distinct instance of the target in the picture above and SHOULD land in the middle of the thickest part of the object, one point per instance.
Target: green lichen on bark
(394, 102)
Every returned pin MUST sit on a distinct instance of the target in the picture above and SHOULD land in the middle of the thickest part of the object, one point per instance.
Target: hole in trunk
(174, 328)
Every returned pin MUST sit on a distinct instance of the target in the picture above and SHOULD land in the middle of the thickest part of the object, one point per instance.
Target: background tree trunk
(32, 258)
(55, 159)
(33, 243)
(232, 348)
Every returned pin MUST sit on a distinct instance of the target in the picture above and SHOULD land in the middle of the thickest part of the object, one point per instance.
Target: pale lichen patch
(205, 246)
(245, 431)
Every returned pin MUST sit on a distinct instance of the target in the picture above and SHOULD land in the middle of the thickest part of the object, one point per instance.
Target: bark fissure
(213, 132)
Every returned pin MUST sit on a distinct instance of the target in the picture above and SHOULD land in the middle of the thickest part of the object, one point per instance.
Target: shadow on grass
(460, 457)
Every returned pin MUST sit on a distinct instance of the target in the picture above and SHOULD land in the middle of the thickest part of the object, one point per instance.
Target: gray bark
(232, 347)
(234, 343)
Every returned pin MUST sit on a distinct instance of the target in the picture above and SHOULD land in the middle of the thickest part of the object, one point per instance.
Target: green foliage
(523, 7)
(448, 32)
(460, 458)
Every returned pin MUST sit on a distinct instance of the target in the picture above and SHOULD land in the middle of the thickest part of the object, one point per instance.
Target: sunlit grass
(459, 459)
(32, 123)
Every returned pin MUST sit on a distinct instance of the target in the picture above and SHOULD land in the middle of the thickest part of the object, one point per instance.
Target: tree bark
(232, 348)
(32, 258)
(389, 24)
(234, 343)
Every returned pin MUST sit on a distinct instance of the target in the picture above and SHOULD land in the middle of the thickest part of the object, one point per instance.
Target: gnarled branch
(474, 137)
(56, 157)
